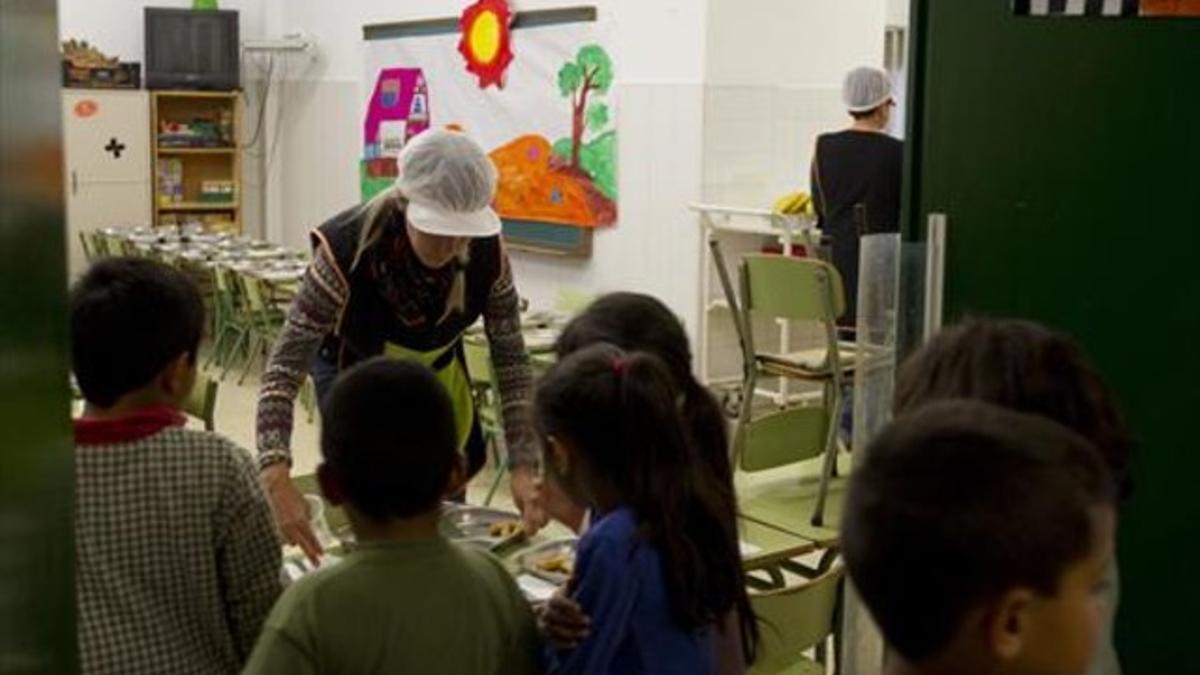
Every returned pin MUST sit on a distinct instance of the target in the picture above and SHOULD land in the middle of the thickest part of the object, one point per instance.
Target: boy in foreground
(979, 539)
(406, 600)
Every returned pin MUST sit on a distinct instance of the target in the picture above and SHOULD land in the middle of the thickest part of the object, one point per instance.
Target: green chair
(87, 243)
(229, 330)
(202, 402)
(94, 242)
(487, 403)
(787, 438)
(794, 620)
(798, 290)
(115, 245)
(263, 320)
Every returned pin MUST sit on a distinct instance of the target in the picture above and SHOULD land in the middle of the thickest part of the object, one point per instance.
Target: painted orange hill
(536, 186)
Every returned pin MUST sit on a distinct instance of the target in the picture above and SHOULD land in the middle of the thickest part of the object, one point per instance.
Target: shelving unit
(199, 206)
(196, 151)
(210, 153)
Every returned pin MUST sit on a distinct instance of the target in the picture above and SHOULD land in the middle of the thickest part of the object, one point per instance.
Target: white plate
(535, 589)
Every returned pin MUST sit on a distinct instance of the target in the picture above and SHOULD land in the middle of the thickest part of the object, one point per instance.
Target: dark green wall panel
(1066, 155)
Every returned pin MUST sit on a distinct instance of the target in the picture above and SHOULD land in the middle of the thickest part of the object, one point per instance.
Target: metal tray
(473, 525)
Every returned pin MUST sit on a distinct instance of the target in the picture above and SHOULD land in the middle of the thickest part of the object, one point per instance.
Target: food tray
(477, 526)
(532, 561)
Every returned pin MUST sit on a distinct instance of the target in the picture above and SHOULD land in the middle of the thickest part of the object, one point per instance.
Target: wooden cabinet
(107, 163)
(196, 159)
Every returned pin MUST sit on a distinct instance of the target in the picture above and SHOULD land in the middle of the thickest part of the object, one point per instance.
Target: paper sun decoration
(487, 41)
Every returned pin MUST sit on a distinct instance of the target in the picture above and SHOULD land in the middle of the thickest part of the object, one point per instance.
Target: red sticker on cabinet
(86, 108)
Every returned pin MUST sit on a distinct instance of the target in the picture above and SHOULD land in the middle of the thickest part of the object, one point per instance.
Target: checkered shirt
(177, 556)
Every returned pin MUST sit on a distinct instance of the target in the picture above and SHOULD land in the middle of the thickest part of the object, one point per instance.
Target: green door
(37, 617)
(1066, 157)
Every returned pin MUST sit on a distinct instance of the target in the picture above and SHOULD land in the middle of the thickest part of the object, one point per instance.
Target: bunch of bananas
(83, 55)
(794, 204)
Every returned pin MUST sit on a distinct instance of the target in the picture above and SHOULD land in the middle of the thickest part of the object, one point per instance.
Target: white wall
(774, 79)
(659, 53)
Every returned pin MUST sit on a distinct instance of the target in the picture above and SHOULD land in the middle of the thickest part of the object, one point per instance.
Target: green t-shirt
(401, 607)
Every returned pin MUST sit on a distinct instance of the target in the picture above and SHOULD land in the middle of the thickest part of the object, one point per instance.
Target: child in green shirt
(406, 600)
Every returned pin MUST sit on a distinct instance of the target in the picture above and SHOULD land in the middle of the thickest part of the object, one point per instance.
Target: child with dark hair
(659, 569)
(178, 561)
(979, 538)
(406, 600)
(637, 322)
(1027, 367)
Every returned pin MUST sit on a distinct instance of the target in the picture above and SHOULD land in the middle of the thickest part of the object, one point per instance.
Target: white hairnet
(866, 89)
(448, 171)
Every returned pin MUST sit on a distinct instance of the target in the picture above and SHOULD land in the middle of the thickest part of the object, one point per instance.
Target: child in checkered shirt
(177, 557)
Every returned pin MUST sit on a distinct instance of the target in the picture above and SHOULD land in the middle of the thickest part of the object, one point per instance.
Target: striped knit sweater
(314, 314)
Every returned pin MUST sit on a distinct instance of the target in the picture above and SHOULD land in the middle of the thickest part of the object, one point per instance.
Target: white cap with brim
(450, 183)
(442, 223)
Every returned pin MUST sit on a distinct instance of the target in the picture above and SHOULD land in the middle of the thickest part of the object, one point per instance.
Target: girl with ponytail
(639, 322)
(658, 571)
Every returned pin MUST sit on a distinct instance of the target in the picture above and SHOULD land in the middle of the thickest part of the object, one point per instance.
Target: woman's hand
(526, 490)
(563, 622)
(291, 511)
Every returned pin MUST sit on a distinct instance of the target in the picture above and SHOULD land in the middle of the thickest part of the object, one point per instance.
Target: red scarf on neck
(135, 426)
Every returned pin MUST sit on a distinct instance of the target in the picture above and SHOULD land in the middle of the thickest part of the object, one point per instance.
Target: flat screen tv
(192, 49)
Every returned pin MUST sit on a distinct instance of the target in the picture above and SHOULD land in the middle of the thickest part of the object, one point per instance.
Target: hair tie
(619, 365)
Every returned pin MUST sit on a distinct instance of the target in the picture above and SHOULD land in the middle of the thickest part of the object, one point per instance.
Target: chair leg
(256, 346)
(308, 397)
(242, 338)
(487, 501)
(818, 519)
(215, 349)
(499, 472)
(217, 355)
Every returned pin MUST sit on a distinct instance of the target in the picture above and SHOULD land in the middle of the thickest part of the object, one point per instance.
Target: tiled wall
(758, 140)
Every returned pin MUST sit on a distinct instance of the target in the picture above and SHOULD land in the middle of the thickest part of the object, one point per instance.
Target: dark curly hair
(1027, 367)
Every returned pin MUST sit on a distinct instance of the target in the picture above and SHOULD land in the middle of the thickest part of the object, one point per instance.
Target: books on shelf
(170, 181)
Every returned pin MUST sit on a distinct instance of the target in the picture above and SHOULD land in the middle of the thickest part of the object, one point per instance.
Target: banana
(794, 203)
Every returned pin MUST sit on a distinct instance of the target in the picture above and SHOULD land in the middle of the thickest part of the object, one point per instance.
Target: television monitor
(192, 49)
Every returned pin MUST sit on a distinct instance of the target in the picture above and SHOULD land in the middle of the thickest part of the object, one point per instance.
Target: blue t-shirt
(619, 584)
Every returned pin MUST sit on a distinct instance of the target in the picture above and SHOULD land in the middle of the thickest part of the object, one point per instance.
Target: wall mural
(547, 118)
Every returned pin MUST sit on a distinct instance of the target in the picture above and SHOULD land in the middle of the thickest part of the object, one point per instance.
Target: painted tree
(591, 73)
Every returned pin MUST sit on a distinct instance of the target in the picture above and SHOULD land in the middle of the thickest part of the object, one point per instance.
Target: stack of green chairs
(230, 330)
(262, 319)
(784, 288)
